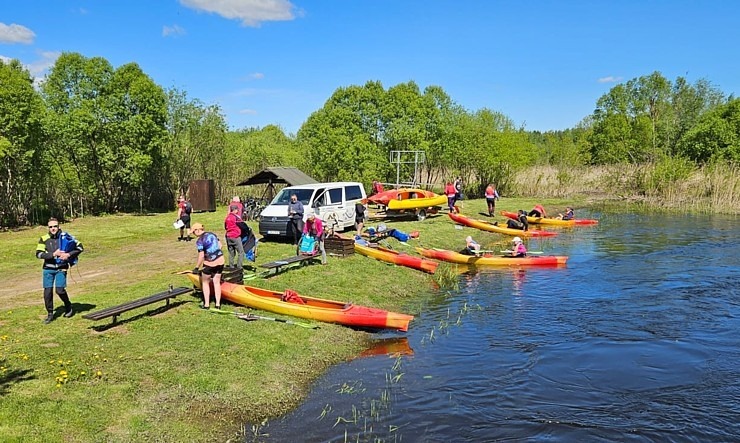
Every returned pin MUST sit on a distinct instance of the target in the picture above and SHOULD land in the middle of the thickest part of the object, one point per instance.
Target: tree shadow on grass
(9, 377)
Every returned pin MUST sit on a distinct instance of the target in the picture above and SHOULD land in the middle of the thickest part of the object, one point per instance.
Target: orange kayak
(402, 259)
(487, 226)
(408, 198)
(492, 260)
(328, 311)
(553, 221)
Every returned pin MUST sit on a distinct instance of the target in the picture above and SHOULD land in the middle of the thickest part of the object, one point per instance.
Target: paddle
(251, 317)
(506, 251)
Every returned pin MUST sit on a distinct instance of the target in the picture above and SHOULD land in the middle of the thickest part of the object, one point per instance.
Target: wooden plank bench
(115, 311)
(300, 259)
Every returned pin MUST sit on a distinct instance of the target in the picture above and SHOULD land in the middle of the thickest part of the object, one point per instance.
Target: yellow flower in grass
(99, 374)
(83, 372)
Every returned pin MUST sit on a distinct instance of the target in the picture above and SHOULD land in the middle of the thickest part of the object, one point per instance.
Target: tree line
(93, 139)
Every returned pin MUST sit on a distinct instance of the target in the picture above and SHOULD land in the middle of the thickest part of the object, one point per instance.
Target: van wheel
(421, 215)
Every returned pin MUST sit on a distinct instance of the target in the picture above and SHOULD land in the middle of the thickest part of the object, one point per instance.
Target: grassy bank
(180, 374)
(672, 185)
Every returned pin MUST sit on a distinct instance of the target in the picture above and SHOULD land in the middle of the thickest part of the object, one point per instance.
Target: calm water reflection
(636, 340)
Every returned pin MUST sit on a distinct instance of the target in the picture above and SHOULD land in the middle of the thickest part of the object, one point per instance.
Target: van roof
(322, 185)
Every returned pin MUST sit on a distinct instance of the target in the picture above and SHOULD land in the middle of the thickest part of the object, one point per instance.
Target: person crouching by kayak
(519, 249)
(521, 221)
(538, 211)
(211, 256)
(472, 247)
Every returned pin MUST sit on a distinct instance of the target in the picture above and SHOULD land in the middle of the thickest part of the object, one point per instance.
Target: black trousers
(49, 299)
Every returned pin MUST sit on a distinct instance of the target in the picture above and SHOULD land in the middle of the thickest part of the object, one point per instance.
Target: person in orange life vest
(450, 192)
(519, 249)
(184, 208)
(315, 228)
(569, 214)
(211, 256)
(538, 211)
(521, 221)
(234, 236)
(491, 195)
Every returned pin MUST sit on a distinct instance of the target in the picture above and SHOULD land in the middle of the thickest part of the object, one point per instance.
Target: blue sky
(542, 63)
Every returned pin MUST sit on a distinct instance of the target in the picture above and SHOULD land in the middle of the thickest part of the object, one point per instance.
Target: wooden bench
(115, 311)
(300, 259)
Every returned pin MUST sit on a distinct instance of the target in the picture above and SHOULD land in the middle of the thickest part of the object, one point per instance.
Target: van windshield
(283, 197)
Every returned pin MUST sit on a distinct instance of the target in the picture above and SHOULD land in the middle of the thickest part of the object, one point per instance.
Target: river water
(637, 339)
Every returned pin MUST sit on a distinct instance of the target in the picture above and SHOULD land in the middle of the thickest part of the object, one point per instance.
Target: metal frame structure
(402, 158)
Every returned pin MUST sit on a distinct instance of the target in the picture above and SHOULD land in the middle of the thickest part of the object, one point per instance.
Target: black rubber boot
(49, 318)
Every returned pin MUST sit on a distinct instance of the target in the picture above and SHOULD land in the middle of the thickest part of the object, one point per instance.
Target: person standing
(360, 209)
(59, 251)
(184, 208)
(295, 213)
(450, 193)
(211, 257)
(491, 195)
(315, 228)
(235, 200)
(234, 236)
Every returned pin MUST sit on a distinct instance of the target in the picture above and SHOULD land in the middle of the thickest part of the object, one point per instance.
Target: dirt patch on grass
(93, 274)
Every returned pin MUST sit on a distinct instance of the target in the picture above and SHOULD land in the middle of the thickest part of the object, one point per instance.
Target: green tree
(106, 129)
(716, 136)
(21, 135)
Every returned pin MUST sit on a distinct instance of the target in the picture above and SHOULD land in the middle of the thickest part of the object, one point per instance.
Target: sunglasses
(53, 226)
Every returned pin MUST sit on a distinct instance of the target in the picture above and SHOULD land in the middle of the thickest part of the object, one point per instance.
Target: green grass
(181, 374)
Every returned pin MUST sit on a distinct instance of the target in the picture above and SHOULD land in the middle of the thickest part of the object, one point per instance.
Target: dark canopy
(277, 175)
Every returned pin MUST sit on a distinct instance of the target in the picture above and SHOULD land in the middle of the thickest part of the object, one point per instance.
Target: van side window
(353, 192)
(335, 195)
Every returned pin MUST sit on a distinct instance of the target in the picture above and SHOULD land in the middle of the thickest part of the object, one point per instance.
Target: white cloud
(247, 112)
(172, 30)
(5, 59)
(249, 12)
(16, 34)
(257, 76)
(46, 60)
(610, 79)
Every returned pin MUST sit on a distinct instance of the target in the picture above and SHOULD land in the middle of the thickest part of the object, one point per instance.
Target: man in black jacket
(59, 251)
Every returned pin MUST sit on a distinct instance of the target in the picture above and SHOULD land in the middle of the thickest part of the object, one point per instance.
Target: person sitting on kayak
(519, 249)
(521, 221)
(569, 214)
(538, 211)
(472, 247)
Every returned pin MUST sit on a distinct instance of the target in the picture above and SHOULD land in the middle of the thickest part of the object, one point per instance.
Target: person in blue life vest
(59, 251)
(315, 228)
(569, 214)
(472, 247)
(211, 257)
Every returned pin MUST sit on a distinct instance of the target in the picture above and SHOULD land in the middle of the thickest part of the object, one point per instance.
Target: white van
(333, 203)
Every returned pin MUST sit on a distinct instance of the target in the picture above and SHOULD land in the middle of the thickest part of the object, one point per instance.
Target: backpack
(188, 208)
(308, 244)
(68, 243)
